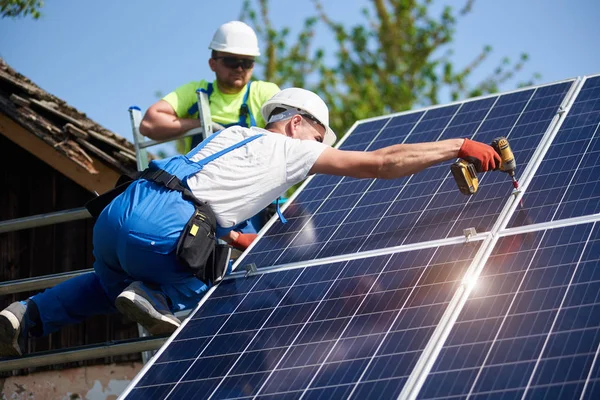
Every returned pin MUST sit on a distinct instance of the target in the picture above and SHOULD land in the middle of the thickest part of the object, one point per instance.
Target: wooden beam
(100, 183)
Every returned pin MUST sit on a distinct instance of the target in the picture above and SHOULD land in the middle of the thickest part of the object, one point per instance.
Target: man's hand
(241, 241)
(483, 156)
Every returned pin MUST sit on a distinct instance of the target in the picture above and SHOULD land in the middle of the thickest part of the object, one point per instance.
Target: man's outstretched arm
(402, 159)
(161, 122)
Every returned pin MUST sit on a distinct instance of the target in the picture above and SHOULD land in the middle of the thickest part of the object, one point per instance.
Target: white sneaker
(12, 332)
(148, 308)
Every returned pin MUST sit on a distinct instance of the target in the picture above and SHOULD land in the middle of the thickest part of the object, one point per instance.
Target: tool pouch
(197, 242)
(218, 262)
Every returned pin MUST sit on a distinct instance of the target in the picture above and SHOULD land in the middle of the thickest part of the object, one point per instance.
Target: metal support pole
(141, 155)
(38, 282)
(83, 353)
(35, 221)
(204, 113)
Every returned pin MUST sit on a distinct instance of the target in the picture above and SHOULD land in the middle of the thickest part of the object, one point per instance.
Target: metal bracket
(250, 269)
(561, 110)
(469, 232)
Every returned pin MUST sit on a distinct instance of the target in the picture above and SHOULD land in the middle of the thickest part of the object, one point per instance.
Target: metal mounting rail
(38, 282)
(83, 353)
(35, 221)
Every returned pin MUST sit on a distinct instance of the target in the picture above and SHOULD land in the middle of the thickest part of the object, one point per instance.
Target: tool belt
(197, 247)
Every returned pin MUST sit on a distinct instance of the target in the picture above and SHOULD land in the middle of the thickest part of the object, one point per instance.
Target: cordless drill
(465, 173)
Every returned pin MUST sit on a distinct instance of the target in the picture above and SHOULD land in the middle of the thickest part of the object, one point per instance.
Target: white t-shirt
(240, 183)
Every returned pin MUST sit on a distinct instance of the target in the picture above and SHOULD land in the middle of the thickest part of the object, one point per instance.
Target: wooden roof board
(61, 126)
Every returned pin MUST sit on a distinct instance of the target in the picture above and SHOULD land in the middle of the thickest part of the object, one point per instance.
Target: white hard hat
(237, 38)
(303, 100)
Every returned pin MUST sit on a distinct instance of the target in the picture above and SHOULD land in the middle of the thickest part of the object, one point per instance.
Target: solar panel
(372, 291)
(567, 183)
(531, 327)
(334, 216)
(352, 326)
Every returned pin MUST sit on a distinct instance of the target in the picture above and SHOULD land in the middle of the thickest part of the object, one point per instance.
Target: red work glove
(243, 240)
(483, 156)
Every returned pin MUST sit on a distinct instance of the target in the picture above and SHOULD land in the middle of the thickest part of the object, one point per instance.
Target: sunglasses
(314, 120)
(234, 62)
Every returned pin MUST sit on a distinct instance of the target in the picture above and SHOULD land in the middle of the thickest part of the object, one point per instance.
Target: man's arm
(402, 159)
(161, 122)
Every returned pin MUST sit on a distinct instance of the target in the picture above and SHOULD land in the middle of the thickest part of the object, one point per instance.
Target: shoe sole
(8, 325)
(139, 310)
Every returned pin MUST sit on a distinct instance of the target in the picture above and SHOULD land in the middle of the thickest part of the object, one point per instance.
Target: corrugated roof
(62, 126)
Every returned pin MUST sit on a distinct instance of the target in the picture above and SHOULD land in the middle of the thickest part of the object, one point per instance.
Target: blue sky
(103, 56)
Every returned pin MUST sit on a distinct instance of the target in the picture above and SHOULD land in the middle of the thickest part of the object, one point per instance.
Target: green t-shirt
(224, 108)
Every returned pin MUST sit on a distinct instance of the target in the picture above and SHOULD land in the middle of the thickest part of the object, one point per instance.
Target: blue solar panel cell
(531, 322)
(364, 133)
(154, 392)
(567, 183)
(318, 327)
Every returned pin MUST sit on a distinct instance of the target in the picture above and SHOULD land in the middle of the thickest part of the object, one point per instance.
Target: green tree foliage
(20, 8)
(398, 59)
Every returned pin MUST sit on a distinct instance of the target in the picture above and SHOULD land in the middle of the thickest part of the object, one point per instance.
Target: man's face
(233, 71)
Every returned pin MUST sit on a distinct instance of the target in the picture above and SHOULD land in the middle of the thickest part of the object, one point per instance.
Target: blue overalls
(134, 239)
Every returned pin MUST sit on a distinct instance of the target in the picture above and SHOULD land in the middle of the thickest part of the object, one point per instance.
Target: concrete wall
(100, 382)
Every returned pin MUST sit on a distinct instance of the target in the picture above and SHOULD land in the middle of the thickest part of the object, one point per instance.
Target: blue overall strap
(279, 213)
(245, 110)
(201, 145)
(218, 154)
(200, 164)
(194, 108)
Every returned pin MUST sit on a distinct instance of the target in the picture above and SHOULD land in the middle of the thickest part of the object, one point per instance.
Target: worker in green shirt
(234, 100)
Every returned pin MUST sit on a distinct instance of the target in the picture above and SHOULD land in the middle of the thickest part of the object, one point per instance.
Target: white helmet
(303, 100)
(237, 38)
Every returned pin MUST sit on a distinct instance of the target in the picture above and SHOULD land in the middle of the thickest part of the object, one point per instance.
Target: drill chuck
(508, 163)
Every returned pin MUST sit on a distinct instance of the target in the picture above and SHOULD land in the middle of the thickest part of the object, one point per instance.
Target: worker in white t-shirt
(145, 239)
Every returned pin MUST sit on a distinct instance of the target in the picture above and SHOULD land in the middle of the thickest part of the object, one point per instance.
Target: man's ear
(296, 121)
(212, 63)
(293, 125)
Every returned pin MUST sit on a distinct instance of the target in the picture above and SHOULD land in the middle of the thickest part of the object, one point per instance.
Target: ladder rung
(191, 132)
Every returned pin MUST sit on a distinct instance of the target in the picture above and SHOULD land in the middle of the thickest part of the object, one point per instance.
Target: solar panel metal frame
(489, 240)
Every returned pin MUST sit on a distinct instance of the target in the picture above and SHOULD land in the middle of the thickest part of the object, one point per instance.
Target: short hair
(276, 110)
